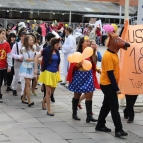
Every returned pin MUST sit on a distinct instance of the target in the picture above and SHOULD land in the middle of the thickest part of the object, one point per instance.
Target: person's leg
(112, 100)
(48, 94)
(34, 85)
(9, 80)
(82, 97)
(130, 101)
(24, 96)
(89, 107)
(15, 81)
(52, 96)
(22, 85)
(1, 81)
(75, 101)
(27, 86)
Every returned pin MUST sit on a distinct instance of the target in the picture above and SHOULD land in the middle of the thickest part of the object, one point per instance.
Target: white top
(28, 54)
(14, 51)
(79, 30)
(69, 44)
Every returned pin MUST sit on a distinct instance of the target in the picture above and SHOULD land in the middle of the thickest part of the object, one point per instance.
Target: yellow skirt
(49, 78)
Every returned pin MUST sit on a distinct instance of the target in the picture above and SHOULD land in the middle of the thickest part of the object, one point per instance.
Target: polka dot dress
(82, 82)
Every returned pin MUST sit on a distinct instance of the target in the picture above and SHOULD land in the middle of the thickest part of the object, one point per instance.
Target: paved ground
(21, 124)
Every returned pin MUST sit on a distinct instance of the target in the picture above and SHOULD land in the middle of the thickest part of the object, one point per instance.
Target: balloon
(121, 96)
(77, 57)
(66, 25)
(70, 58)
(55, 21)
(34, 21)
(86, 65)
(88, 52)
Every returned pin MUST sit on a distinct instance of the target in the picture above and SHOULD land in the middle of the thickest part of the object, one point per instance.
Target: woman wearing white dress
(27, 67)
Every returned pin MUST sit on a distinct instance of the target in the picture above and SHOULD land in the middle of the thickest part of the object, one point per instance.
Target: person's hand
(8, 70)
(21, 59)
(96, 47)
(79, 64)
(99, 71)
(39, 60)
(118, 92)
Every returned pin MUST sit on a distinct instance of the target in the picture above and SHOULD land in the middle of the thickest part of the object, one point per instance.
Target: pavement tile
(82, 141)
(68, 136)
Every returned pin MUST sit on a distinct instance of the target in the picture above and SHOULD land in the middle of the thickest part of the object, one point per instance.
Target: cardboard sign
(131, 61)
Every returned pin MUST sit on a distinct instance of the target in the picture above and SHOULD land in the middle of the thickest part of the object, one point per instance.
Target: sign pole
(126, 17)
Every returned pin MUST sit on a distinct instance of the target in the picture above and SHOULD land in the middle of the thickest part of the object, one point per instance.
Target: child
(5, 57)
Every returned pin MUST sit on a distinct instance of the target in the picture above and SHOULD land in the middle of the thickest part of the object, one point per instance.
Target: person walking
(5, 58)
(68, 48)
(27, 67)
(17, 63)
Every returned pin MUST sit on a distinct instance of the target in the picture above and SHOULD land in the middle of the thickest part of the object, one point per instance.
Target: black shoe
(1, 100)
(32, 103)
(121, 133)
(74, 108)
(63, 83)
(14, 93)
(9, 89)
(130, 120)
(19, 82)
(22, 97)
(89, 112)
(103, 129)
(52, 98)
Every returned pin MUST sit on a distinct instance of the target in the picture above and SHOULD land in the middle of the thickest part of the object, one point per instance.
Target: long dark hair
(9, 37)
(79, 47)
(53, 42)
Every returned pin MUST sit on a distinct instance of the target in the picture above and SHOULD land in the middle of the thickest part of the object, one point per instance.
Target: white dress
(69, 47)
(27, 68)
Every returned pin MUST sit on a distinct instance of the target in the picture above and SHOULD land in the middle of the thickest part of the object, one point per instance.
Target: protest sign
(131, 61)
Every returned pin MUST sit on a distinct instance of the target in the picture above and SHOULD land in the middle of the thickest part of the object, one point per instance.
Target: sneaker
(1, 100)
(9, 89)
(14, 93)
(121, 133)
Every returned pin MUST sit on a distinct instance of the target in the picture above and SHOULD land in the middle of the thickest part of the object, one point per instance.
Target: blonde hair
(26, 45)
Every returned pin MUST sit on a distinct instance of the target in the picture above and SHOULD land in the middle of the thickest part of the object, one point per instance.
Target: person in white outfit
(68, 48)
(17, 62)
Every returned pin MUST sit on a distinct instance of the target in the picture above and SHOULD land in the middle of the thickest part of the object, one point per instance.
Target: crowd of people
(26, 59)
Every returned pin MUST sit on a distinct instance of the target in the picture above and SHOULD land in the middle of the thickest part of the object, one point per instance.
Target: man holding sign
(108, 83)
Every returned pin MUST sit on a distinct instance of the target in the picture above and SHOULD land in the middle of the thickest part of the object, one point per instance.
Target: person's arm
(36, 62)
(113, 80)
(67, 48)
(99, 57)
(25, 56)
(14, 52)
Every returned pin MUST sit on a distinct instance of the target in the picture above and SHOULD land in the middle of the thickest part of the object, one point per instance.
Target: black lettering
(139, 37)
(140, 84)
(133, 37)
(139, 63)
(137, 86)
(132, 82)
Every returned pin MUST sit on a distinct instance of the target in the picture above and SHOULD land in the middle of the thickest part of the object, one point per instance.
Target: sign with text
(131, 65)
(140, 11)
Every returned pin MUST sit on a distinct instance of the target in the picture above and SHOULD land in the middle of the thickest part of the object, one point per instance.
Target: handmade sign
(131, 61)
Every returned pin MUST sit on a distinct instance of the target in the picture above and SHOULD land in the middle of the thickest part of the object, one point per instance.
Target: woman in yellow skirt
(49, 75)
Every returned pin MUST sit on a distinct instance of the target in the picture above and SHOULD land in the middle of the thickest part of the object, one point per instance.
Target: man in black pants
(129, 109)
(108, 84)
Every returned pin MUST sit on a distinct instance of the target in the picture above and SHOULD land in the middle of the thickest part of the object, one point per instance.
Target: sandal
(32, 103)
(52, 114)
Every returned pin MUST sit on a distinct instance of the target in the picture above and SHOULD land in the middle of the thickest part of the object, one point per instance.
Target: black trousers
(10, 77)
(3, 73)
(104, 37)
(110, 103)
(129, 109)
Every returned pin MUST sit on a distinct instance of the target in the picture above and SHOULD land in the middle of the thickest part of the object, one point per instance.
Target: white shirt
(14, 51)
(69, 44)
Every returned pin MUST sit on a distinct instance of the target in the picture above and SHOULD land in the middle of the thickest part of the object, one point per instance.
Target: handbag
(27, 65)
